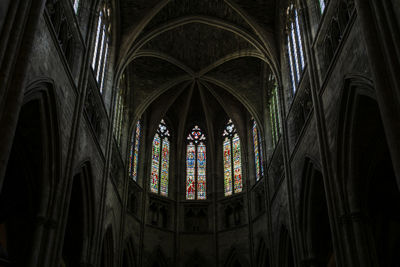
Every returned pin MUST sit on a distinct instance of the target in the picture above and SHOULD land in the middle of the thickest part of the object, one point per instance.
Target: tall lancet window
(274, 113)
(76, 6)
(294, 46)
(134, 152)
(322, 4)
(232, 160)
(258, 152)
(160, 161)
(196, 164)
(101, 44)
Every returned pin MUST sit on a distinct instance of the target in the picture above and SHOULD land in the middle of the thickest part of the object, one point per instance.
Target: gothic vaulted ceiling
(222, 46)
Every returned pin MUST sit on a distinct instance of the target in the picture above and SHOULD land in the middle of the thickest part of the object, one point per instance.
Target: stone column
(15, 46)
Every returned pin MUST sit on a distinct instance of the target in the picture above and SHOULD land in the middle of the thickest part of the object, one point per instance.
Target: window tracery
(196, 164)
(232, 160)
(160, 160)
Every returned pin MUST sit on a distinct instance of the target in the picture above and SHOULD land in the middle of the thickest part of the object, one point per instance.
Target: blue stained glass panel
(136, 152)
(256, 151)
(201, 171)
(237, 164)
(227, 167)
(164, 167)
(155, 164)
(190, 171)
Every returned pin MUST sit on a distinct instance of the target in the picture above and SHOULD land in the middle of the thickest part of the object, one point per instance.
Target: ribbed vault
(206, 46)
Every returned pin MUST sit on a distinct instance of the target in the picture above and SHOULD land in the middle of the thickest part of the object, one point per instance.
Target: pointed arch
(314, 221)
(368, 180)
(30, 182)
(235, 259)
(80, 225)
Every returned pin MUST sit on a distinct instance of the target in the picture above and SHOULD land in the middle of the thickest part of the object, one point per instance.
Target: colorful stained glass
(237, 164)
(164, 167)
(135, 150)
(155, 164)
(201, 171)
(227, 167)
(130, 170)
(190, 171)
(196, 135)
(261, 155)
(256, 151)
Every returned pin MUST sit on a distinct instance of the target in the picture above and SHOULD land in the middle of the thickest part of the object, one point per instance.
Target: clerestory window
(134, 152)
(119, 109)
(102, 44)
(274, 113)
(258, 152)
(294, 47)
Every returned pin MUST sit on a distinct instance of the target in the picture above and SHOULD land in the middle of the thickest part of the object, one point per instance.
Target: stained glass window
(274, 112)
(232, 160)
(201, 171)
(294, 46)
(119, 109)
(159, 177)
(101, 44)
(134, 152)
(190, 172)
(164, 168)
(258, 152)
(196, 165)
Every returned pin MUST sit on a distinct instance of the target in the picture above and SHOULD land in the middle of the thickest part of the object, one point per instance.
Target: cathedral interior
(193, 133)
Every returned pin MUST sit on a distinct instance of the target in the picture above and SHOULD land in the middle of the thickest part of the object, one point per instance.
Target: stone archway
(26, 198)
(314, 219)
(371, 192)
